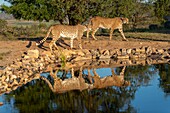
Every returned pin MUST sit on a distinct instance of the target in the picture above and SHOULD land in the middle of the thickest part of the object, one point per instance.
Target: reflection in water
(73, 83)
(84, 89)
(79, 83)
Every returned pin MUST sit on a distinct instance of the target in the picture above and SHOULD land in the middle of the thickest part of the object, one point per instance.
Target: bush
(42, 26)
(153, 26)
(3, 24)
(167, 24)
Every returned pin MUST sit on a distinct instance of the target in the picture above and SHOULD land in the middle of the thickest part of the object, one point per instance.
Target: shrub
(153, 26)
(3, 24)
(42, 26)
(167, 24)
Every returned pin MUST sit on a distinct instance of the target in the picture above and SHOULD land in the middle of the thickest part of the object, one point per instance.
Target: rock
(13, 77)
(86, 52)
(133, 51)
(142, 50)
(123, 57)
(26, 57)
(148, 51)
(160, 51)
(123, 51)
(137, 51)
(79, 52)
(133, 56)
(118, 51)
(104, 57)
(113, 52)
(154, 50)
(32, 53)
(142, 56)
(48, 53)
(129, 51)
(1, 103)
(94, 54)
(103, 51)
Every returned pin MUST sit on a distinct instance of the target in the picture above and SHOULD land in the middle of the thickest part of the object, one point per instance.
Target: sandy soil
(11, 50)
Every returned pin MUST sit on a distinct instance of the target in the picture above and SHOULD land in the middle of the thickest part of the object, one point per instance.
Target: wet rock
(1, 103)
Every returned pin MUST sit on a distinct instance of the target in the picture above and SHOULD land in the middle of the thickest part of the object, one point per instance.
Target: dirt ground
(11, 50)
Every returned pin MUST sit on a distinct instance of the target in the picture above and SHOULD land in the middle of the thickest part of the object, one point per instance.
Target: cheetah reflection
(113, 80)
(73, 83)
(83, 82)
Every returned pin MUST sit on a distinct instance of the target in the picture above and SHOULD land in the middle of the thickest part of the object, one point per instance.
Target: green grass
(155, 36)
(24, 23)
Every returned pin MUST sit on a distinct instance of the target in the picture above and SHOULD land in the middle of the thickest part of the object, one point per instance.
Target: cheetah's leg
(79, 41)
(122, 34)
(93, 33)
(111, 33)
(53, 42)
(71, 43)
(123, 71)
(88, 31)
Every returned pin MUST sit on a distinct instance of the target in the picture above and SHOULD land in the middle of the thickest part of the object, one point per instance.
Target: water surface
(148, 91)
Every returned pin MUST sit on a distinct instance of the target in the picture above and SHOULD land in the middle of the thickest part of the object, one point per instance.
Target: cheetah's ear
(125, 20)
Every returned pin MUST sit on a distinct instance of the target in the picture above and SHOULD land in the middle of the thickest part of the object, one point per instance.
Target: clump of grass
(62, 57)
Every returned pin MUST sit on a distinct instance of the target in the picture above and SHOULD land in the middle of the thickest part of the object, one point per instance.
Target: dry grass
(4, 54)
(148, 36)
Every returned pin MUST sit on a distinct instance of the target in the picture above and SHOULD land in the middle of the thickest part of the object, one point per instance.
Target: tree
(162, 8)
(76, 11)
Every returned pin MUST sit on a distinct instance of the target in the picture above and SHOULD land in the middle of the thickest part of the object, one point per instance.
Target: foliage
(162, 8)
(167, 24)
(9, 32)
(164, 70)
(75, 11)
(3, 25)
(140, 12)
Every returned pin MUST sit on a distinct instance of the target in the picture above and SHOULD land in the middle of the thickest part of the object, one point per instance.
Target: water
(148, 91)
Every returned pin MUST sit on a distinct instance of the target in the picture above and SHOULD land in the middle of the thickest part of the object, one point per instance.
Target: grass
(144, 34)
(148, 36)
(24, 23)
